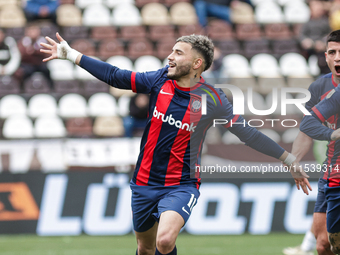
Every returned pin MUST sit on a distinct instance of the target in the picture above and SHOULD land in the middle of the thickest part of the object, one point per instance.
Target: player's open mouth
(337, 69)
(172, 65)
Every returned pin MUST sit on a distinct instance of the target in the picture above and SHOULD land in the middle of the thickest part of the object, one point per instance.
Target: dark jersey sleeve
(249, 135)
(312, 124)
(312, 127)
(313, 89)
(122, 79)
(328, 106)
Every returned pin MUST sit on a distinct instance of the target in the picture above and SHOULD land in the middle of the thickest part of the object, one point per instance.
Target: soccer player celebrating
(327, 112)
(163, 191)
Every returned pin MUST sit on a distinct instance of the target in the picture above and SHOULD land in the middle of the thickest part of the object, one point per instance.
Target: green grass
(126, 245)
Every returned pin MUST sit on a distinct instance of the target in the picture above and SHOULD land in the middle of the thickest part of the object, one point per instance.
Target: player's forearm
(265, 145)
(256, 140)
(314, 128)
(301, 145)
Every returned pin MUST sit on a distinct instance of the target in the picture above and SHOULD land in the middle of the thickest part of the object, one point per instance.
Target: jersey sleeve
(249, 135)
(123, 79)
(312, 126)
(313, 89)
(328, 106)
(225, 110)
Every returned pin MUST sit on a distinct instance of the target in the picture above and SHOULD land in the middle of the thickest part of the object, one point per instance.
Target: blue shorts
(149, 202)
(333, 209)
(321, 203)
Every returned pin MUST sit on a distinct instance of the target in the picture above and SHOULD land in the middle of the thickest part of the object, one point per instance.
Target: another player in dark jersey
(327, 112)
(318, 90)
(163, 191)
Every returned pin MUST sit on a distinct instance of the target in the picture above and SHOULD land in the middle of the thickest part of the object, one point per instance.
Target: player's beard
(180, 72)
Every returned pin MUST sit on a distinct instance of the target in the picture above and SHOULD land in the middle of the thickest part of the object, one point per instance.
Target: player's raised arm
(60, 50)
(112, 75)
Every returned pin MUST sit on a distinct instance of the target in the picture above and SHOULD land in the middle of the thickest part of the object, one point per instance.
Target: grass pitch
(126, 245)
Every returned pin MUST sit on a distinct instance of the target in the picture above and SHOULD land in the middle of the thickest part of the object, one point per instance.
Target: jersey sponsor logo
(17, 202)
(171, 121)
(165, 93)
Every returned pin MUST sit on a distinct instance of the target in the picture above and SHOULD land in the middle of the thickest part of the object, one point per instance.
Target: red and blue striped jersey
(327, 108)
(172, 141)
(319, 90)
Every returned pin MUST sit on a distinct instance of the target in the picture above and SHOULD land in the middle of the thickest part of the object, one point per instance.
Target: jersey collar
(334, 83)
(190, 88)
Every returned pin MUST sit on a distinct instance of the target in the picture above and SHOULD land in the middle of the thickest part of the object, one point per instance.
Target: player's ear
(198, 62)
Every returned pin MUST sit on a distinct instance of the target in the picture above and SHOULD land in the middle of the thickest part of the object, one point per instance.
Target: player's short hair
(203, 45)
(333, 36)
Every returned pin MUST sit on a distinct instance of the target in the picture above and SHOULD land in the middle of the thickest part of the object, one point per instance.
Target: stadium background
(65, 163)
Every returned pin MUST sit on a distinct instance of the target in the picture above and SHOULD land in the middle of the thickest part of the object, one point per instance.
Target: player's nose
(337, 56)
(171, 56)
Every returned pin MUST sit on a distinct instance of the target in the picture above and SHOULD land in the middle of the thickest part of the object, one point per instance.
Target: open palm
(52, 49)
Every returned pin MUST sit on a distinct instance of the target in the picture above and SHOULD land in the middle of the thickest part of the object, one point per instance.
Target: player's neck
(336, 79)
(187, 81)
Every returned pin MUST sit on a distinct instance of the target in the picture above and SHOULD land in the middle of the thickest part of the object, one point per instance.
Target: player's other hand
(335, 135)
(58, 50)
(300, 177)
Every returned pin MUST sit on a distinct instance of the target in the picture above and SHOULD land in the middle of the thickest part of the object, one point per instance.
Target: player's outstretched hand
(335, 135)
(58, 50)
(300, 177)
(51, 48)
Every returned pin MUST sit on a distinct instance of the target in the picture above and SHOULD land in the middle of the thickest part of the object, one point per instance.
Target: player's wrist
(72, 55)
(289, 159)
(64, 51)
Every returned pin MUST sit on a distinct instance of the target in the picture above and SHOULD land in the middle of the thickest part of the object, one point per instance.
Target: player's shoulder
(334, 94)
(162, 73)
(159, 76)
(336, 90)
(215, 96)
(321, 82)
(208, 88)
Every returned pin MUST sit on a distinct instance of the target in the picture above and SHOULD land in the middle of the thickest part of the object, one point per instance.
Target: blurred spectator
(139, 105)
(29, 47)
(215, 8)
(313, 32)
(334, 15)
(9, 55)
(41, 9)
